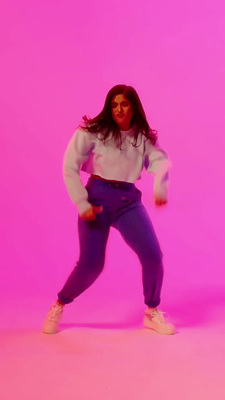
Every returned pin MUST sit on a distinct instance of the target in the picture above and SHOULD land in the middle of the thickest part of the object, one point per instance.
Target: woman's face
(121, 111)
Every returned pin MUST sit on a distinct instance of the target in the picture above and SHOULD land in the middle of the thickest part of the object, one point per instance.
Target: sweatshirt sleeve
(158, 164)
(77, 152)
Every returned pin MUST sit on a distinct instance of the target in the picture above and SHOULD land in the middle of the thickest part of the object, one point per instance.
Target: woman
(114, 147)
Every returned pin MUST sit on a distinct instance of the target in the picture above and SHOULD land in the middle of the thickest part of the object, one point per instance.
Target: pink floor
(106, 354)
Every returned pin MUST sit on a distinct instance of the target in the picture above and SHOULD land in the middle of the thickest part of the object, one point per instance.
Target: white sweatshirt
(125, 163)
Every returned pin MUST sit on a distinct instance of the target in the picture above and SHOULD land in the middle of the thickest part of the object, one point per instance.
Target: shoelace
(53, 313)
(159, 315)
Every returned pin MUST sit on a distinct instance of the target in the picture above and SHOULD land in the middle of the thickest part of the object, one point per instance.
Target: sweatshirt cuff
(161, 188)
(83, 205)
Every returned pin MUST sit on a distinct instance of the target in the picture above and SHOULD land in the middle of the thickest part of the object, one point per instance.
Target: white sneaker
(51, 323)
(154, 319)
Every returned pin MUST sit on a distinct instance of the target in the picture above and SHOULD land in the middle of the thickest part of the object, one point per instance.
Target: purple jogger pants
(122, 209)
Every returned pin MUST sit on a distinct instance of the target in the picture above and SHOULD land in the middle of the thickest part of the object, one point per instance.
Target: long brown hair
(103, 123)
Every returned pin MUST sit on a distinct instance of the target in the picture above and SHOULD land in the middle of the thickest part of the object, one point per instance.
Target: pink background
(58, 60)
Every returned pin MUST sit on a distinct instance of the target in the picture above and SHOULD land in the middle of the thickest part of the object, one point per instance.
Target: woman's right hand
(90, 214)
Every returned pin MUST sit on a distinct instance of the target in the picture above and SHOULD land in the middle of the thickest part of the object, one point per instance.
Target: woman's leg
(136, 228)
(93, 237)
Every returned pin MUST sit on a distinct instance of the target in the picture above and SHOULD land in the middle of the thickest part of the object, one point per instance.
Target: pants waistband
(111, 183)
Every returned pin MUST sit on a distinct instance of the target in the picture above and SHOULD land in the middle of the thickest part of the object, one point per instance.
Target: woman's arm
(76, 154)
(158, 164)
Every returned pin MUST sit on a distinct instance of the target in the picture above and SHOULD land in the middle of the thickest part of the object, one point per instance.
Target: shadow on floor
(197, 307)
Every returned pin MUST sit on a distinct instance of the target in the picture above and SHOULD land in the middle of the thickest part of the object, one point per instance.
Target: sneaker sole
(163, 330)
